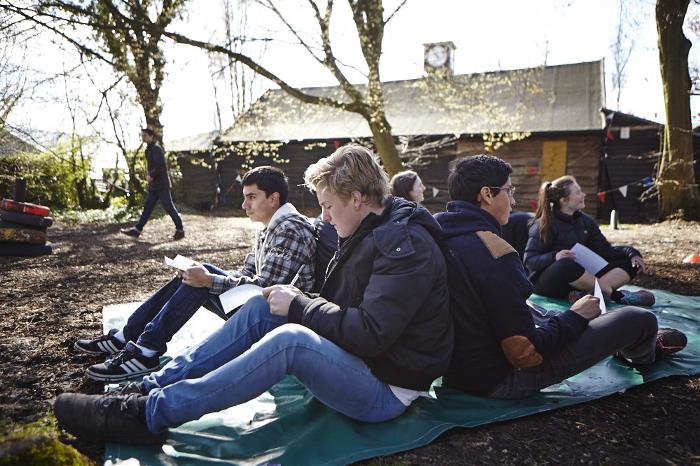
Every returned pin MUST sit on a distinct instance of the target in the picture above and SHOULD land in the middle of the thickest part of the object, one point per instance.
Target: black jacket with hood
(494, 330)
(564, 232)
(385, 297)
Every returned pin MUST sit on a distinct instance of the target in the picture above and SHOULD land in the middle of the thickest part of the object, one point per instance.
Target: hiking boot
(119, 419)
(131, 388)
(103, 346)
(575, 295)
(636, 298)
(669, 341)
(133, 232)
(128, 363)
(179, 234)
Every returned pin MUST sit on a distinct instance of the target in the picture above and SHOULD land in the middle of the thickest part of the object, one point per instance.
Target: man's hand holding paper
(197, 276)
(587, 307)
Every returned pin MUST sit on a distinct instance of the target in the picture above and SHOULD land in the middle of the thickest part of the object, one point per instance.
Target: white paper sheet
(598, 293)
(590, 261)
(180, 262)
(236, 297)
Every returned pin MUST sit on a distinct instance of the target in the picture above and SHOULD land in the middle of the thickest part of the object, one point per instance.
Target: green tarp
(287, 426)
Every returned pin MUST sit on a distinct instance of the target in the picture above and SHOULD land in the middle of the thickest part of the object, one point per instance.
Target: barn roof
(199, 142)
(544, 99)
(12, 143)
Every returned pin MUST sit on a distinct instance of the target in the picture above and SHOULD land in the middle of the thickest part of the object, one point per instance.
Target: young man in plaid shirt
(284, 248)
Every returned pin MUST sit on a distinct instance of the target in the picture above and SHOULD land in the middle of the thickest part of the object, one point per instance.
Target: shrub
(58, 179)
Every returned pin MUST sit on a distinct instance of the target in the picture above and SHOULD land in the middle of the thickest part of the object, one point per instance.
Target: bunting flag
(435, 191)
(644, 182)
(239, 179)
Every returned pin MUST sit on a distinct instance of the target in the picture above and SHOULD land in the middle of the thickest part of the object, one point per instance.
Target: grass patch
(37, 444)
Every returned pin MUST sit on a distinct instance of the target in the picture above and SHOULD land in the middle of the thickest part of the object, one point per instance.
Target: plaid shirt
(287, 246)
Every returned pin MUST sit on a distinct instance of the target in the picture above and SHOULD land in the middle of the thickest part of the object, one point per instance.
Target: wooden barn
(198, 170)
(554, 109)
(546, 122)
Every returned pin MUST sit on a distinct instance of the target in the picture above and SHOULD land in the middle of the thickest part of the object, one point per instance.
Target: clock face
(436, 56)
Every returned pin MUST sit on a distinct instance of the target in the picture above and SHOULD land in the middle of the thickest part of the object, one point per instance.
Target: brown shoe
(179, 234)
(133, 232)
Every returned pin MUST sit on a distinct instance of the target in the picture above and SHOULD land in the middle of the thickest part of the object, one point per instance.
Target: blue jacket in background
(494, 330)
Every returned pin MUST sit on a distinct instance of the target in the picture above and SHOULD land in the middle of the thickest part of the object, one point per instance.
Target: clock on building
(439, 56)
(436, 56)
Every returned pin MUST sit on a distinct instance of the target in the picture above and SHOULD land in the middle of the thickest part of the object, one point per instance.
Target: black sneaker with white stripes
(128, 363)
(103, 346)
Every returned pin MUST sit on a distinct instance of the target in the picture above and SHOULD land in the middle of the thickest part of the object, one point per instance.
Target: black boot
(119, 419)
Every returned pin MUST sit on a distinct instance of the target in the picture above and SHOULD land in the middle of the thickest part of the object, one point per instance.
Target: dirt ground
(46, 303)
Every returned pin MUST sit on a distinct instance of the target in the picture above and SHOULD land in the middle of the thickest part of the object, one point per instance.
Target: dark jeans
(166, 201)
(155, 322)
(554, 280)
(628, 330)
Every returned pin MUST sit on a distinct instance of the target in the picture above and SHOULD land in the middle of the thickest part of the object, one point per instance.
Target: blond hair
(350, 168)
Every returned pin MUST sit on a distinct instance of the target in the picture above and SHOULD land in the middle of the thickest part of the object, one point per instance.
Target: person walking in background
(559, 224)
(407, 184)
(158, 188)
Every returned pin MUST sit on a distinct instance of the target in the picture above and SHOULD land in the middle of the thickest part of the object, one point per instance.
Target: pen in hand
(296, 277)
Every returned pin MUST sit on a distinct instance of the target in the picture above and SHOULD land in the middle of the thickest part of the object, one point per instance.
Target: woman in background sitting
(407, 184)
(558, 225)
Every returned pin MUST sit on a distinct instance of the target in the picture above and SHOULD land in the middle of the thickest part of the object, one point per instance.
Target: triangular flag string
(645, 182)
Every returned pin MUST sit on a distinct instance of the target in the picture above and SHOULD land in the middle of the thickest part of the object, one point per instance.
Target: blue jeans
(155, 322)
(249, 354)
(630, 331)
(166, 201)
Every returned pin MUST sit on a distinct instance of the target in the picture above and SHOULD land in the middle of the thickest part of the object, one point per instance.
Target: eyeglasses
(509, 189)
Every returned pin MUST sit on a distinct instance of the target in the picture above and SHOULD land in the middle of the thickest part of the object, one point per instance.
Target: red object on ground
(692, 259)
(25, 207)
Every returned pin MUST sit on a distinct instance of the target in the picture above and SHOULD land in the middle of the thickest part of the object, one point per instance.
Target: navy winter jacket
(494, 330)
(385, 297)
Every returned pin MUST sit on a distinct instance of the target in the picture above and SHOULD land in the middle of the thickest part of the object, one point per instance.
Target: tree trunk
(675, 178)
(386, 148)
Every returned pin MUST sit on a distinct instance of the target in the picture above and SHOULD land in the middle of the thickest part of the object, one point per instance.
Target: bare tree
(128, 34)
(370, 20)
(622, 50)
(12, 76)
(675, 178)
(240, 86)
